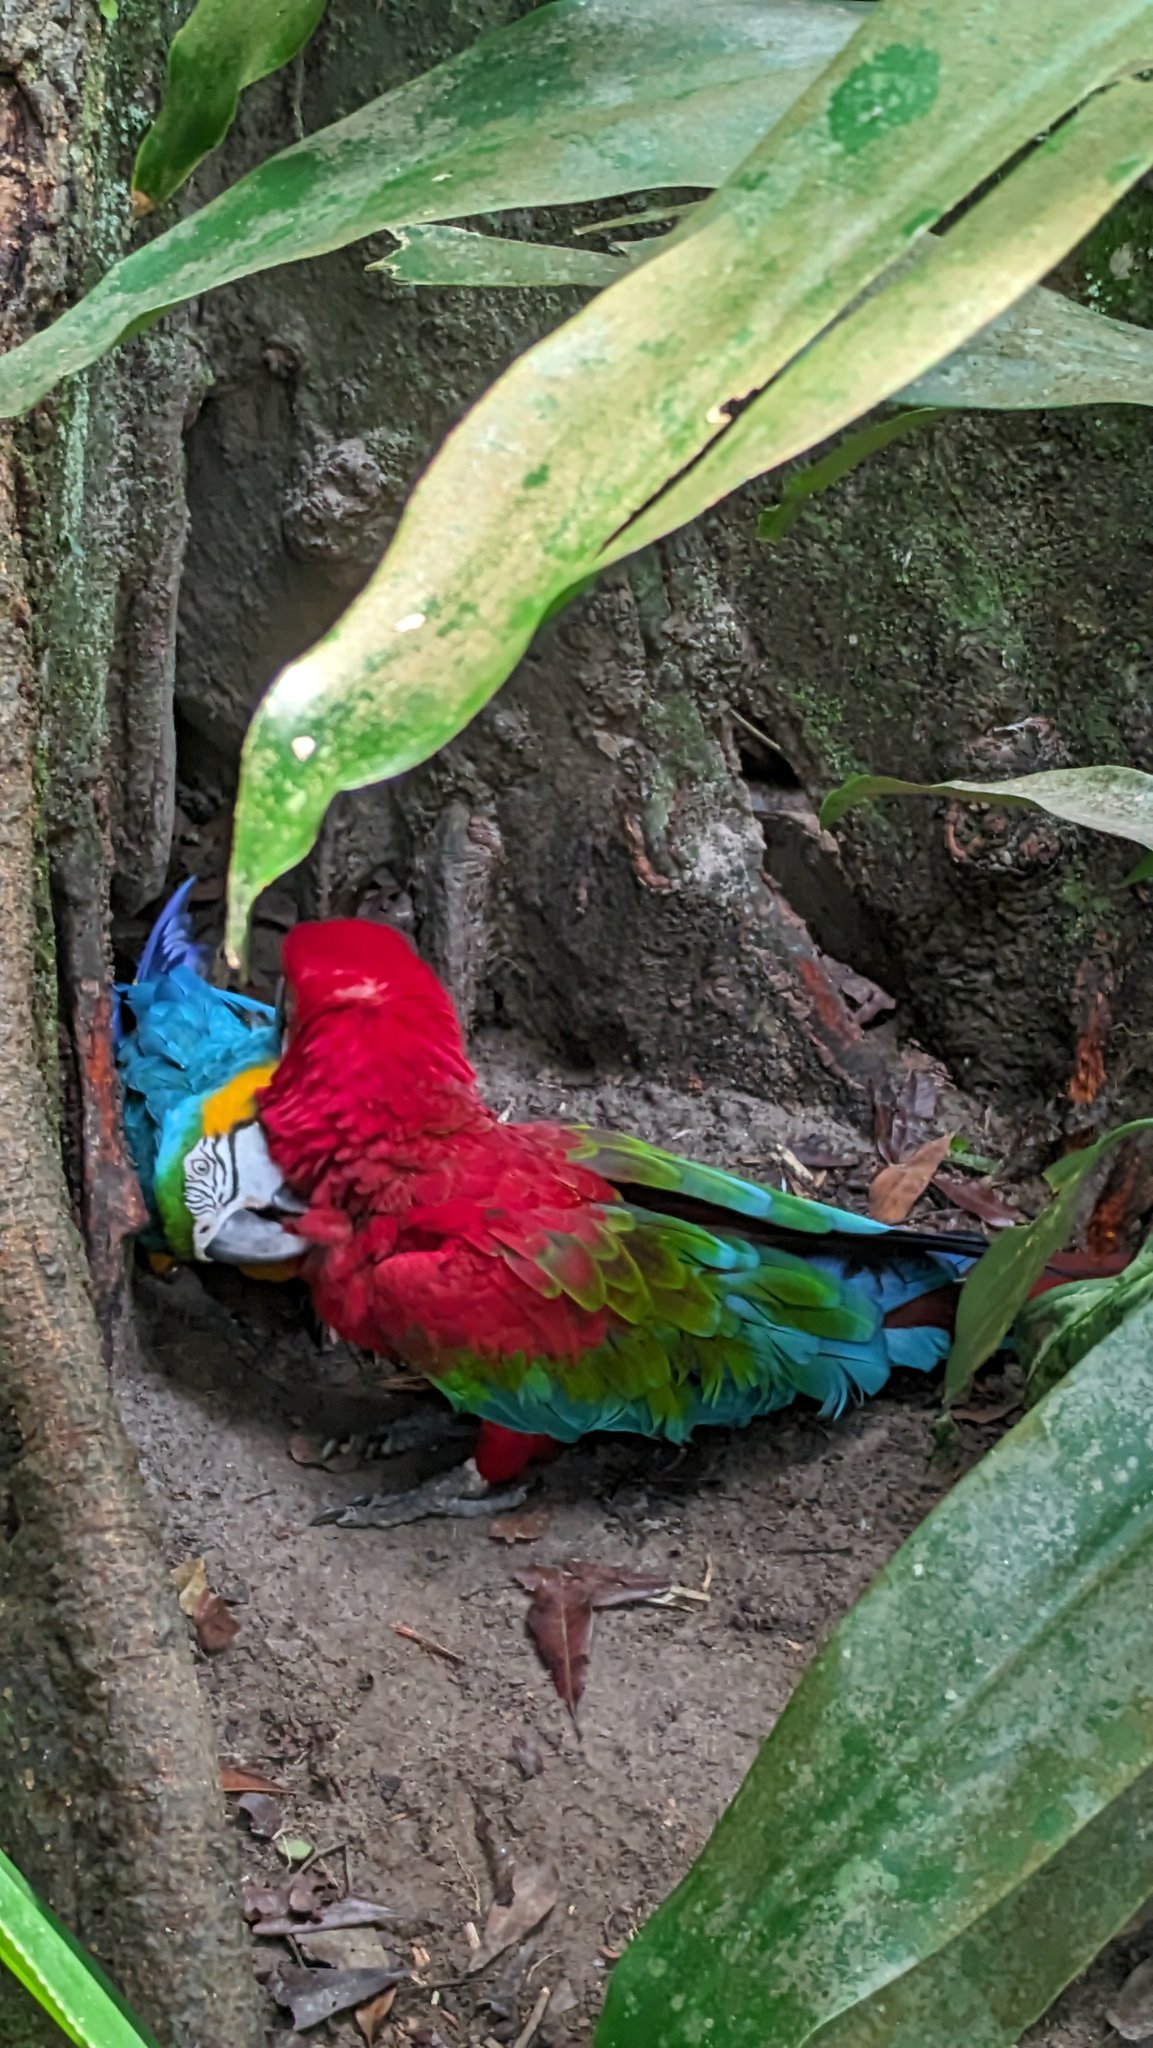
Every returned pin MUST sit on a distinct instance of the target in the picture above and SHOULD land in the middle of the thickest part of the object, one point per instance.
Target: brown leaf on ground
(525, 1527)
(263, 1815)
(903, 1122)
(977, 1198)
(339, 1913)
(304, 1893)
(315, 1995)
(535, 1891)
(370, 2018)
(345, 1948)
(896, 1188)
(564, 1599)
(215, 1624)
(235, 1778)
(262, 1901)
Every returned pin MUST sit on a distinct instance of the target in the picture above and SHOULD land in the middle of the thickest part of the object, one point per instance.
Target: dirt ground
(386, 1753)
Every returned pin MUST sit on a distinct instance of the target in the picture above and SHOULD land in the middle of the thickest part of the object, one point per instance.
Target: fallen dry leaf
(304, 1893)
(191, 1583)
(315, 1995)
(234, 1778)
(370, 2018)
(262, 1901)
(903, 1122)
(977, 1198)
(338, 1913)
(535, 1891)
(215, 1624)
(262, 1814)
(896, 1188)
(565, 1597)
(348, 1948)
(525, 1527)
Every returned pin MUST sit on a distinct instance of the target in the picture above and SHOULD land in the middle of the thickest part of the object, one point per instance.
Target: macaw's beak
(246, 1239)
(256, 1237)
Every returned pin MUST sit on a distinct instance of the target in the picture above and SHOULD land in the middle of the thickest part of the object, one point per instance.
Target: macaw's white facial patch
(228, 1180)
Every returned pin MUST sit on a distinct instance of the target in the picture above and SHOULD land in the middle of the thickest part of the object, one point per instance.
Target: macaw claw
(460, 1495)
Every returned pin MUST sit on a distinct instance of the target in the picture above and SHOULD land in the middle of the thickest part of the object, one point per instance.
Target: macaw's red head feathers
(373, 972)
(373, 1049)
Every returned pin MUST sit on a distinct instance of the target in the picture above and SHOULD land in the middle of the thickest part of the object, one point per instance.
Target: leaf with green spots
(581, 100)
(898, 85)
(1000, 1284)
(778, 285)
(55, 1971)
(955, 1810)
(222, 47)
(1108, 799)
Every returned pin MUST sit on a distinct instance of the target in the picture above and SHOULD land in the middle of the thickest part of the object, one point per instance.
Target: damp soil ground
(385, 1752)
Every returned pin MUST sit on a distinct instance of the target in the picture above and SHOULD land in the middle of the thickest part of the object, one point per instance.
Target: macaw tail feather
(170, 944)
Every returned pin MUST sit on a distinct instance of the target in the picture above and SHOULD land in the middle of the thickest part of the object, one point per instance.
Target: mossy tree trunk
(109, 1784)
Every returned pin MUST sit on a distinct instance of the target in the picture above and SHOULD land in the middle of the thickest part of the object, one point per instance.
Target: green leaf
(777, 520)
(1001, 1282)
(109, 10)
(63, 1980)
(581, 100)
(456, 256)
(223, 46)
(1143, 872)
(1054, 1332)
(1109, 799)
(542, 484)
(957, 282)
(956, 1807)
(1045, 351)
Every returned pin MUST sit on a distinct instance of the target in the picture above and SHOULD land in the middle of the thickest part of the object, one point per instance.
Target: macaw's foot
(461, 1494)
(426, 1429)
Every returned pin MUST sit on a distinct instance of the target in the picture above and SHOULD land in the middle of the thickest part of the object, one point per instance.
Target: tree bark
(109, 1784)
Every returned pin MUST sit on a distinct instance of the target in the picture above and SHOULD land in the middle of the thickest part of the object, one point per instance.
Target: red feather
(375, 1116)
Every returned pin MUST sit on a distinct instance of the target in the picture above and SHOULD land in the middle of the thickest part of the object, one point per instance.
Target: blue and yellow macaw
(191, 1058)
